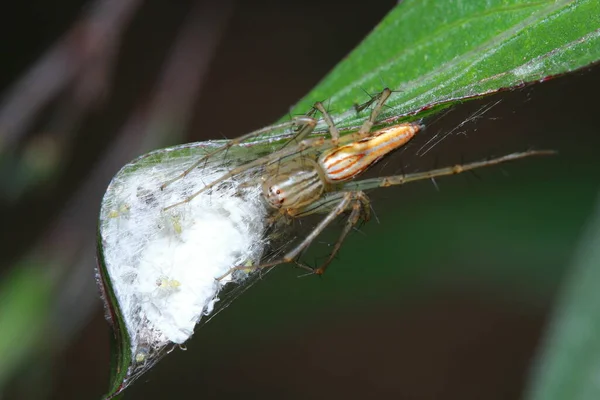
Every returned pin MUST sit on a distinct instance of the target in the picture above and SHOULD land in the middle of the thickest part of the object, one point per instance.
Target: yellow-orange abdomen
(345, 162)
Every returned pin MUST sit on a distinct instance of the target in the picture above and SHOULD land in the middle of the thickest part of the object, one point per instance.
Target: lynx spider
(311, 175)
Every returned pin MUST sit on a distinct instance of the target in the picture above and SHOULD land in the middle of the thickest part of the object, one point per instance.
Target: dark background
(447, 296)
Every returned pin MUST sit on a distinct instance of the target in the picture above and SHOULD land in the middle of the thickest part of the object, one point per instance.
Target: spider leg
(380, 99)
(306, 123)
(333, 130)
(365, 129)
(348, 200)
(276, 155)
(360, 211)
(373, 183)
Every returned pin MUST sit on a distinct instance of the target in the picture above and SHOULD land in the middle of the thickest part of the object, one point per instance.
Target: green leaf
(569, 365)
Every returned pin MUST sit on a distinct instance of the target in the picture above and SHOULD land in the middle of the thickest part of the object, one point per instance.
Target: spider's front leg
(387, 181)
(361, 211)
(296, 145)
(306, 125)
(357, 202)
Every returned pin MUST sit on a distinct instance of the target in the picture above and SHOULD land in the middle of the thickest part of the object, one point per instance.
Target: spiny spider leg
(372, 99)
(360, 206)
(276, 155)
(302, 121)
(347, 200)
(333, 130)
(309, 126)
(373, 183)
(360, 210)
(303, 131)
(363, 132)
(381, 99)
(365, 128)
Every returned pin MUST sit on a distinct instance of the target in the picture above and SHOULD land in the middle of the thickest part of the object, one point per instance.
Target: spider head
(275, 194)
(293, 187)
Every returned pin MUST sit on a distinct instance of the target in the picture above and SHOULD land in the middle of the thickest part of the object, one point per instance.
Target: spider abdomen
(345, 162)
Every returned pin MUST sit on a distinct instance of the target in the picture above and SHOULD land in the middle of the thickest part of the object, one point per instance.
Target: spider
(317, 175)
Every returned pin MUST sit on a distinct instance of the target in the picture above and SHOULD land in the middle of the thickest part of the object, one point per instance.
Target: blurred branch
(83, 58)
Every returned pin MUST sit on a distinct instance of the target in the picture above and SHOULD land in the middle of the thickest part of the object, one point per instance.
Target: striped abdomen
(345, 162)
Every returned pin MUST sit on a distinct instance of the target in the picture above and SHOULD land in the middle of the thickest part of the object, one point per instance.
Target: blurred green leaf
(24, 298)
(569, 365)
